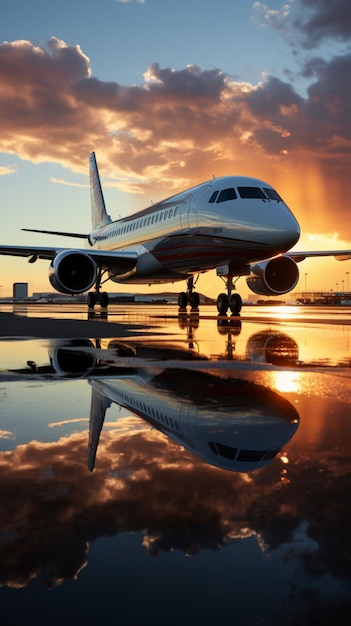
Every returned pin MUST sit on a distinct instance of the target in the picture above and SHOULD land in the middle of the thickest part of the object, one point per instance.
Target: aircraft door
(188, 418)
(190, 208)
(184, 213)
(195, 205)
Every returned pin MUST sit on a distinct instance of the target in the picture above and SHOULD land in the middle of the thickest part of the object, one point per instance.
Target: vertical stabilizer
(99, 216)
(99, 405)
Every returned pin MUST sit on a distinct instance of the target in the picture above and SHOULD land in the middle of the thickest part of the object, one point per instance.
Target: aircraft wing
(339, 255)
(120, 261)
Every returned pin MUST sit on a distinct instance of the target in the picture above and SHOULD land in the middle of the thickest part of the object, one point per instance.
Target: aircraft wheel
(222, 303)
(235, 304)
(194, 300)
(104, 300)
(91, 300)
(182, 300)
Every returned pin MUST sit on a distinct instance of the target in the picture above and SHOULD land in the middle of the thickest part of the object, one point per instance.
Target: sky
(169, 94)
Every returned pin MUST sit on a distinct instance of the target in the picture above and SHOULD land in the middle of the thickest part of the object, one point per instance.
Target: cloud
(321, 19)
(7, 170)
(277, 18)
(310, 22)
(177, 127)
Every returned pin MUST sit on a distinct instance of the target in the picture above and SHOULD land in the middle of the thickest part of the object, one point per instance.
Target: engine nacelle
(75, 359)
(274, 277)
(72, 271)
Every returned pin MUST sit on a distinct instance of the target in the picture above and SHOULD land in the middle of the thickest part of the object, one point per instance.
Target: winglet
(99, 216)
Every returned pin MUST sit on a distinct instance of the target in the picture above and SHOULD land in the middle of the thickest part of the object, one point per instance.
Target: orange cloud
(179, 127)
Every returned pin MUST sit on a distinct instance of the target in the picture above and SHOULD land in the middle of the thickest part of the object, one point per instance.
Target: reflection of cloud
(61, 181)
(6, 434)
(65, 422)
(145, 483)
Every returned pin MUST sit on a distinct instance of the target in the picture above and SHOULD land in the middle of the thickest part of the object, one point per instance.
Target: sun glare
(286, 381)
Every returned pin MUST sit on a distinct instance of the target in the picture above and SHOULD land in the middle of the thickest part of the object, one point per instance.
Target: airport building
(20, 291)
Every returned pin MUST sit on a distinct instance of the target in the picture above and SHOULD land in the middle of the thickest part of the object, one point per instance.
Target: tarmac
(12, 325)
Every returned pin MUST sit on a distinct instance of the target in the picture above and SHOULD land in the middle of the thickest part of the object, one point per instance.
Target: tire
(194, 300)
(91, 299)
(182, 300)
(104, 300)
(235, 304)
(222, 303)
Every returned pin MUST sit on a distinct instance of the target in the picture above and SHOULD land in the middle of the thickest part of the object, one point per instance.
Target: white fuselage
(198, 230)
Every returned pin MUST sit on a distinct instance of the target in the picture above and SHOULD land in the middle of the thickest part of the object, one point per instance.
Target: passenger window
(251, 192)
(226, 194)
(214, 196)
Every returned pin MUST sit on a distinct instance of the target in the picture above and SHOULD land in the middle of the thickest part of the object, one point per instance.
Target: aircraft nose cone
(291, 232)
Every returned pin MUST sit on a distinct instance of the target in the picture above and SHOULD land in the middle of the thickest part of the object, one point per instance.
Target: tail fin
(98, 407)
(99, 216)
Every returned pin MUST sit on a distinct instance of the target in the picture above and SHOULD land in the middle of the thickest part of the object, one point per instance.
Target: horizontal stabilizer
(57, 232)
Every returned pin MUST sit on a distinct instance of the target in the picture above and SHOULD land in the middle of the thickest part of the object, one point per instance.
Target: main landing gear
(225, 301)
(189, 297)
(97, 296)
(229, 300)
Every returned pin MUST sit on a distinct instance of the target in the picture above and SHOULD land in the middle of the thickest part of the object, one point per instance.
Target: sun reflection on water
(287, 381)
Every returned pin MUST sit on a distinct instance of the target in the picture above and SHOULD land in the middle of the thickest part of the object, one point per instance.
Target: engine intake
(274, 277)
(74, 359)
(72, 272)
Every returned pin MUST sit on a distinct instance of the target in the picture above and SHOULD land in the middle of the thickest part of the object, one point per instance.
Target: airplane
(236, 225)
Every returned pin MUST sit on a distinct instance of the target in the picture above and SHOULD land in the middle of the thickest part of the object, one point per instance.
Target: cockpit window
(250, 455)
(220, 448)
(227, 194)
(272, 194)
(251, 192)
(214, 196)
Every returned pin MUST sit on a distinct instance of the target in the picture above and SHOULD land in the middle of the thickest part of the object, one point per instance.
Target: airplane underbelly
(192, 252)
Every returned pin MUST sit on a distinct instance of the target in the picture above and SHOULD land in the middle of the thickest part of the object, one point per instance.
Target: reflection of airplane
(231, 423)
(233, 224)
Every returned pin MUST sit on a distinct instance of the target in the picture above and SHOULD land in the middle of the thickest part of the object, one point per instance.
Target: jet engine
(274, 277)
(72, 271)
